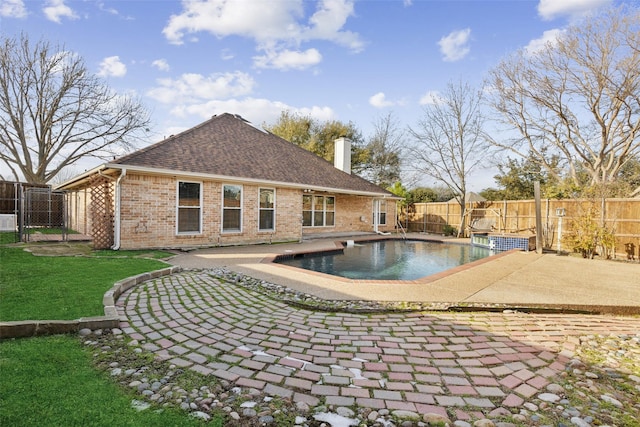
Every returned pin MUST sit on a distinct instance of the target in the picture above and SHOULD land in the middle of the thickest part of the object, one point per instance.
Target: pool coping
(340, 245)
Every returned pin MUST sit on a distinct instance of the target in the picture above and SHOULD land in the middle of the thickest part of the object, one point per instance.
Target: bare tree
(449, 139)
(383, 152)
(54, 112)
(578, 98)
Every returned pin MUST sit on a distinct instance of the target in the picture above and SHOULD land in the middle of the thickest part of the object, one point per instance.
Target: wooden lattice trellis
(102, 212)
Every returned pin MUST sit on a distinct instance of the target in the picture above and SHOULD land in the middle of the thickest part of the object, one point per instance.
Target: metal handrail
(404, 234)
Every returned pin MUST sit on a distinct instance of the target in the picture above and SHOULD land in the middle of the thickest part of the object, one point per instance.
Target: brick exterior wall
(148, 214)
(354, 214)
(79, 218)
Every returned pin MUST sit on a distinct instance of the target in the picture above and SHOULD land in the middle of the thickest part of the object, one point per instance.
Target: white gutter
(235, 179)
(116, 219)
(83, 176)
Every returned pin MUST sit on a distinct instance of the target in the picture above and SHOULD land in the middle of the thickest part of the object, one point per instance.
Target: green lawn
(14, 237)
(61, 287)
(8, 237)
(50, 381)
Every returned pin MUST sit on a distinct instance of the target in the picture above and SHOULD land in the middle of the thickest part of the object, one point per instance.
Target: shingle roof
(227, 145)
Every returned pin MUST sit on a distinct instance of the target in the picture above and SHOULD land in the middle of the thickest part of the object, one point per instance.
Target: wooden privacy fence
(519, 216)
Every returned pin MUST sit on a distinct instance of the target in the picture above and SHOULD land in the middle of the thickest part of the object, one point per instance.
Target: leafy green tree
(517, 177)
(493, 194)
(319, 137)
(398, 189)
(422, 195)
(294, 128)
(628, 182)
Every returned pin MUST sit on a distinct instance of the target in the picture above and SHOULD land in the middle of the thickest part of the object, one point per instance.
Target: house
(224, 182)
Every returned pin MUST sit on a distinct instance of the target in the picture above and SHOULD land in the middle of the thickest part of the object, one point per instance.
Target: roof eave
(82, 178)
(235, 179)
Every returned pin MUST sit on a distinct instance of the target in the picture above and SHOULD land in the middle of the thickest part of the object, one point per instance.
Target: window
(267, 209)
(381, 207)
(307, 213)
(318, 211)
(232, 208)
(330, 211)
(189, 207)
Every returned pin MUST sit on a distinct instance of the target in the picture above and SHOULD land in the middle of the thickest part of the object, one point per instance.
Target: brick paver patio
(422, 362)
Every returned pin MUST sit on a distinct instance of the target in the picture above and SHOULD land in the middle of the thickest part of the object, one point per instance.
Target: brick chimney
(342, 155)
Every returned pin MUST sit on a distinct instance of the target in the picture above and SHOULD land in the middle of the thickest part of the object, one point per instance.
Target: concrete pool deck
(513, 279)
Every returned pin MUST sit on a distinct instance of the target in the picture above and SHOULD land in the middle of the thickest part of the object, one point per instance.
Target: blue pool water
(390, 259)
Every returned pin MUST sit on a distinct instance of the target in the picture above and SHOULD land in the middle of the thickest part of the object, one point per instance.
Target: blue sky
(333, 59)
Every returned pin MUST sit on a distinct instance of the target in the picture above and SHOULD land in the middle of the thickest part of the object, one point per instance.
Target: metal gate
(44, 213)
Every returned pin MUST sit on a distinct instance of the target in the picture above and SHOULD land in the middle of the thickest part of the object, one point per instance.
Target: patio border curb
(111, 319)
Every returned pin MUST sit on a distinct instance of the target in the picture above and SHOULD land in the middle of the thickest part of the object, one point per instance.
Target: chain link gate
(43, 211)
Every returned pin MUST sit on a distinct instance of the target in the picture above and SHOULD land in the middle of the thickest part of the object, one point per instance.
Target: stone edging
(31, 328)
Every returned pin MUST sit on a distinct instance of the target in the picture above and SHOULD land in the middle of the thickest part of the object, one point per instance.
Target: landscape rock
(405, 414)
(432, 418)
(579, 422)
(549, 397)
(611, 400)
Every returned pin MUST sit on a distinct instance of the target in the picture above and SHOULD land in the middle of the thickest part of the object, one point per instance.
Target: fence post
(536, 192)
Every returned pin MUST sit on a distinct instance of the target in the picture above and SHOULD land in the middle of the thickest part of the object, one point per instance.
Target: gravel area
(601, 385)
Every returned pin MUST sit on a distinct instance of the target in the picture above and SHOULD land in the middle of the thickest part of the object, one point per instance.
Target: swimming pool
(389, 259)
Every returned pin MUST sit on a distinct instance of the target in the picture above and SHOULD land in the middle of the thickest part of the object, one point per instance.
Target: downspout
(116, 214)
(376, 209)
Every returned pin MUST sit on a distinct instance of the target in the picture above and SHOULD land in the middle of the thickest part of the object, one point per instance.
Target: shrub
(448, 230)
(587, 236)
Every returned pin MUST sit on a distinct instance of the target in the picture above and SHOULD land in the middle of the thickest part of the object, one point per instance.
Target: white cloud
(113, 11)
(192, 88)
(161, 64)
(278, 28)
(379, 100)
(57, 9)
(548, 37)
(327, 22)
(110, 10)
(550, 9)
(112, 67)
(12, 9)
(431, 98)
(226, 54)
(262, 21)
(455, 46)
(203, 96)
(256, 110)
(288, 59)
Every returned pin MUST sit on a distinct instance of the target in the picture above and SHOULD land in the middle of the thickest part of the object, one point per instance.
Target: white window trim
(235, 231)
(200, 207)
(273, 229)
(333, 211)
(324, 210)
(380, 204)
